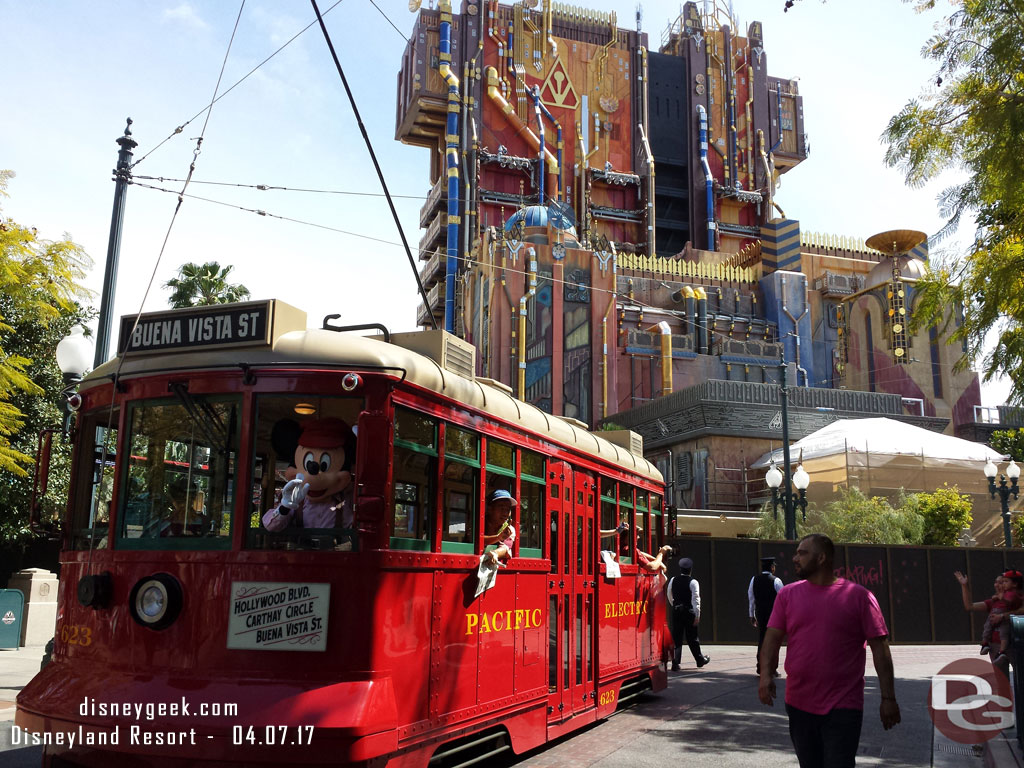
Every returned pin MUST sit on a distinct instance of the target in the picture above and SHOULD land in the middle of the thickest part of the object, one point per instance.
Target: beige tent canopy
(882, 456)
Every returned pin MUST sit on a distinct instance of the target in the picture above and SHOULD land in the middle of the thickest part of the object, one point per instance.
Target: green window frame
(626, 509)
(461, 448)
(501, 458)
(421, 436)
(532, 474)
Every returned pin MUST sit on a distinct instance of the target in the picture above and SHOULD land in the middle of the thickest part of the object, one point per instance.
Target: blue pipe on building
(538, 104)
(709, 180)
(452, 163)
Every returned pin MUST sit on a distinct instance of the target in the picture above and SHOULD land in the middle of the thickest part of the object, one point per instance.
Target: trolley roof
(314, 349)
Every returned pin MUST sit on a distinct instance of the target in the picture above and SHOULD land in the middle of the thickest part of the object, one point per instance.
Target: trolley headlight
(156, 601)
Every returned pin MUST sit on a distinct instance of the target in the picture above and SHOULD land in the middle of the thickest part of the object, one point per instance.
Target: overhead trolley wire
(245, 77)
(376, 165)
(267, 214)
(270, 188)
(389, 20)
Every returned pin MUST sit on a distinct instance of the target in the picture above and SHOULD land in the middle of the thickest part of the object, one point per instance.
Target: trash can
(12, 612)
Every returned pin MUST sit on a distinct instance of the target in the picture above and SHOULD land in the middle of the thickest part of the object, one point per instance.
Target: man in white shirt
(683, 593)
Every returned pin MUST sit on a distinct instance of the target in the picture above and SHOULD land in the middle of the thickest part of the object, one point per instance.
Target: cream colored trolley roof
(315, 347)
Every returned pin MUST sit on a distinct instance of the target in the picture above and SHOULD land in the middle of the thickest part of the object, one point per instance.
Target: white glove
(294, 492)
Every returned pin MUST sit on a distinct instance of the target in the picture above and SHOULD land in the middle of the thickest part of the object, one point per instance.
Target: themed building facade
(602, 225)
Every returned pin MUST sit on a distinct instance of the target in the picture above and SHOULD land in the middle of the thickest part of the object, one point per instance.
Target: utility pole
(122, 178)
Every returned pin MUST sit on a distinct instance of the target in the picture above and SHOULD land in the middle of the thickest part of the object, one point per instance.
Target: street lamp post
(73, 353)
(774, 478)
(792, 496)
(1004, 491)
(122, 178)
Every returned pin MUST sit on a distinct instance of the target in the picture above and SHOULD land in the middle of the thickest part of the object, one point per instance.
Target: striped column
(780, 245)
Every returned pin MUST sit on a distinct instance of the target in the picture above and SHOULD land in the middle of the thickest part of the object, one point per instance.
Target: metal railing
(986, 414)
(736, 488)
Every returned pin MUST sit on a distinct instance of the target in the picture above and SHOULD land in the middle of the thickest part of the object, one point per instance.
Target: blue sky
(74, 71)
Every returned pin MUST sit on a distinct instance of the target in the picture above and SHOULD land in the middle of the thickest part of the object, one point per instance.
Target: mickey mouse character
(322, 484)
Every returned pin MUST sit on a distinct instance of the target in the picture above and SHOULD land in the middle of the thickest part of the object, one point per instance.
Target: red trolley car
(188, 632)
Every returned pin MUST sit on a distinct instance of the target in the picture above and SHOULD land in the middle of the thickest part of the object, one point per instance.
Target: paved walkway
(709, 718)
(17, 667)
(712, 718)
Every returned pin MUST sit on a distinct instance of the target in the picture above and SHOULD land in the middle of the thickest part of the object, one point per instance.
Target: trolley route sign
(278, 616)
(252, 323)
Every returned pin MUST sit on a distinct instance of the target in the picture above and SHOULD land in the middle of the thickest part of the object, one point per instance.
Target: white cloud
(186, 14)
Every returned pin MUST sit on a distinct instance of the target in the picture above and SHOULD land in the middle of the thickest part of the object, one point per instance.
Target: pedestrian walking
(761, 599)
(827, 622)
(683, 593)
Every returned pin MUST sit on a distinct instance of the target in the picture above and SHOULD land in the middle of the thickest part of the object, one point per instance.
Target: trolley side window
(657, 523)
(501, 475)
(179, 487)
(414, 481)
(312, 436)
(461, 490)
(626, 513)
(609, 516)
(531, 504)
(94, 479)
(643, 541)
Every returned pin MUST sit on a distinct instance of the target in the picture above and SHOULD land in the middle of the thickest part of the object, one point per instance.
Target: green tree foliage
(854, 517)
(946, 512)
(771, 526)
(851, 518)
(1010, 442)
(38, 287)
(1017, 530)
(972, 121)
(38, 342)
(202, 285)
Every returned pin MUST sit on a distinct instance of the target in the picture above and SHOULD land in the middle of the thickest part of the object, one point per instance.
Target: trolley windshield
(179, 485)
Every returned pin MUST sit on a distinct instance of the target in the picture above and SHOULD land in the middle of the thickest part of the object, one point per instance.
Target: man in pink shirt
(827, 622)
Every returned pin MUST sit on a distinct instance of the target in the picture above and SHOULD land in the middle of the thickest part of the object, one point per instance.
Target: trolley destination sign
(276, 616)
(192, 328)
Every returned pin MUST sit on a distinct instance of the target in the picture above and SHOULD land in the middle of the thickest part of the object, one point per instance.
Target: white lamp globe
(1013, 471)
(74, 353)
(990, 469)
(773, 477)
(800, 478)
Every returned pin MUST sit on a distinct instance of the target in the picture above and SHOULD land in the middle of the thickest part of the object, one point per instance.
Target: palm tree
(201, 286)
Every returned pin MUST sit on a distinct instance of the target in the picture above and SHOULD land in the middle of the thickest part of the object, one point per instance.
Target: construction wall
(915, 587)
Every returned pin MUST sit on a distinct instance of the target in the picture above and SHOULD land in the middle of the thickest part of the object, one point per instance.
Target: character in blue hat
(498, 528)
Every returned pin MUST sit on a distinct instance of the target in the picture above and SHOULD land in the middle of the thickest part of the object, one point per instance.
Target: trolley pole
(122, 178)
